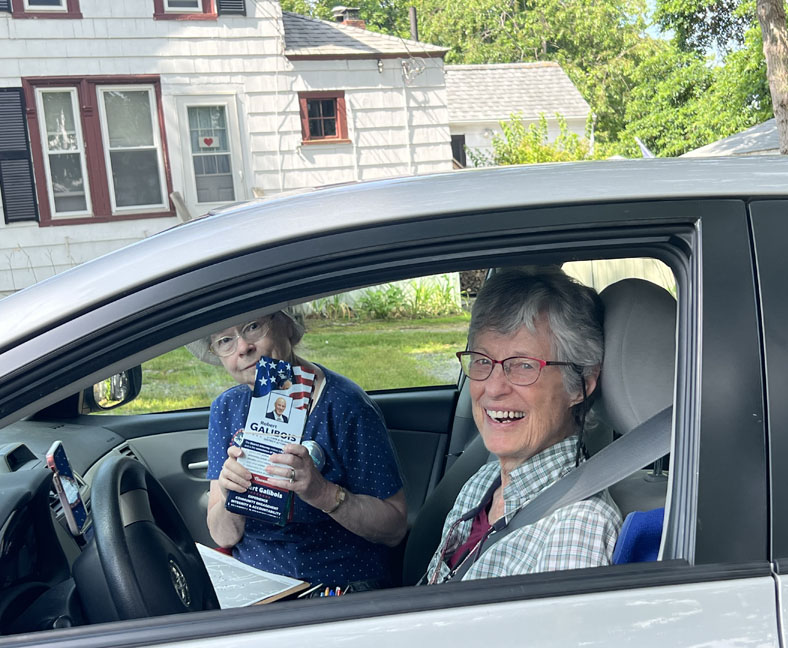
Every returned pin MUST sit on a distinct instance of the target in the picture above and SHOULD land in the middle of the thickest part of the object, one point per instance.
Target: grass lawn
(376, 354)
(389, 354)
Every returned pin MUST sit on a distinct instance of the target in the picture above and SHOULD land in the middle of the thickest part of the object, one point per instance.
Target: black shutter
(5, 5)
(17, 186)
(230, 7)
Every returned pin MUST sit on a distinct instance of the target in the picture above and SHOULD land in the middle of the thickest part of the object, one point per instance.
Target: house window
(64, 153)
(46, 5)
(211, 155)
(184, 9)
(323, 117)
(183, 5)
(132, 148)
(98, 148)
(45, 8)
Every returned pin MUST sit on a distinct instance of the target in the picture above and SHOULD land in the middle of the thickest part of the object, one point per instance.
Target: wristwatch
(341, 495)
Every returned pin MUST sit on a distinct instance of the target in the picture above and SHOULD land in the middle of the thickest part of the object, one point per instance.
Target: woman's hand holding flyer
(277, 416)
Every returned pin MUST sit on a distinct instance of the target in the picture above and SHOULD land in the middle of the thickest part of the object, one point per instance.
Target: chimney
(348, 16)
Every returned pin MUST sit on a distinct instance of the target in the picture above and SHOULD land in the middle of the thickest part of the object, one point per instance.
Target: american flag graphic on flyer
(277, 416)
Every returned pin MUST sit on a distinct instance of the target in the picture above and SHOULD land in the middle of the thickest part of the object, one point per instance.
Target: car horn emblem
(179, 583)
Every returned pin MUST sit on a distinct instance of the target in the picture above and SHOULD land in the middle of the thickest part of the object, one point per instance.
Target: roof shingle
(493, 92)
(312, 38)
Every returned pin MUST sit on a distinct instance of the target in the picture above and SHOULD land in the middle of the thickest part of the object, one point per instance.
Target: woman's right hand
(234, 477)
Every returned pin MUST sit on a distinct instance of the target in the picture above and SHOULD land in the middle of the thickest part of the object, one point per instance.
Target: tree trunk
(771, 16)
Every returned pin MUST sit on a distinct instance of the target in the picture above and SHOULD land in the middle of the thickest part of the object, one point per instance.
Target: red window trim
(18, 11)
(208, 12)
(87, 97)
(341, 137)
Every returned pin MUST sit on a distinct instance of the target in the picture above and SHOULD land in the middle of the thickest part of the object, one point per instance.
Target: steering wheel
(142, 560)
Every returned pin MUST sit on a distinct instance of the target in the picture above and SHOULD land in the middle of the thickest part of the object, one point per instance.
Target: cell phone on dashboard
(67, 487)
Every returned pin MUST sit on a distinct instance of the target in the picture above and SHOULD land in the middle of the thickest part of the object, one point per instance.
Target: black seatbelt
(642, 446)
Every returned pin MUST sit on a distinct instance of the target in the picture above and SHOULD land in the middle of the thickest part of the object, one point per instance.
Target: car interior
(49, 578)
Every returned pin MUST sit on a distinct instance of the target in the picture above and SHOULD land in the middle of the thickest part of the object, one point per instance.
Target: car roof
(248, 226)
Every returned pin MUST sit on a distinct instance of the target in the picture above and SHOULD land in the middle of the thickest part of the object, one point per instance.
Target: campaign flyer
(277, 416)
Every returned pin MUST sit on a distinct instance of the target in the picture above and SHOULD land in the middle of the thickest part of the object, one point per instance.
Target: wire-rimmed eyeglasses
(519, 370)
(251, 332)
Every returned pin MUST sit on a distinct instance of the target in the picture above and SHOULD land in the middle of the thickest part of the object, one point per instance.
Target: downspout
(279, 58)
(406, 116)
(355, 139)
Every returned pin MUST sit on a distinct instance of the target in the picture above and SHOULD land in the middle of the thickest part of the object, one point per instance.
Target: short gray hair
(514, 298)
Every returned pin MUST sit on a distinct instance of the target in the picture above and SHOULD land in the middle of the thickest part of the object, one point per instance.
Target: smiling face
(279, 406)
(242, 363)
(517, 422)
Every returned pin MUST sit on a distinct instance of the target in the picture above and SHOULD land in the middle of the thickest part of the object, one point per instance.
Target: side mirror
(113, 392)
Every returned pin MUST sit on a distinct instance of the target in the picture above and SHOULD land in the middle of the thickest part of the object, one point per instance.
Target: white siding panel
(377, 119)
(29, 253)
(317, 178)
(429, 134)
(433, 152)
(387, 99)
(383, 171)
(379, 156)
(382, 137)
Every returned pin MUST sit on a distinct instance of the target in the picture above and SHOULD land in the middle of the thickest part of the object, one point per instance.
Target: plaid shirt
(582, 534)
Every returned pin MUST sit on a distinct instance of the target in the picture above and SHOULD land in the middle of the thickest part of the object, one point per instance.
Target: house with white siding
(482, 96)
(120, 119)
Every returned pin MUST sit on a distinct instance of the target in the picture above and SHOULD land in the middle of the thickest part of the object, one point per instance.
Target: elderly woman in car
(347, 514)
(535, 350)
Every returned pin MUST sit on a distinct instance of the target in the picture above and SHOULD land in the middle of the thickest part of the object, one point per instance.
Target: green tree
(730, 27)
(387, 16)
(599, 43)
(519, 143)
(699, 25)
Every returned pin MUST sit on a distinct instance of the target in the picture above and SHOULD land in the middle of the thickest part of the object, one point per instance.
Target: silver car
(712, 232)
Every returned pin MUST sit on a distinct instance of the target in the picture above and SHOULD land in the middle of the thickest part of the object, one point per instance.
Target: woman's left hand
(296, 471)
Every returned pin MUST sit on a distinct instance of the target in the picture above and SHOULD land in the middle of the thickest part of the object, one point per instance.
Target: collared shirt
(582, 534)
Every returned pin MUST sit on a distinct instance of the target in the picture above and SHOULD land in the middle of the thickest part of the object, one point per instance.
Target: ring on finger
(292, 475)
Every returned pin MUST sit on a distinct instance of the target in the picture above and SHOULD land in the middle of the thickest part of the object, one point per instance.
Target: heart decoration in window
(209, 143)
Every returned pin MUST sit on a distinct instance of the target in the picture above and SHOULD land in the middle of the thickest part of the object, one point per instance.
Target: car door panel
(642, 605)
(173, 446)
(770, 231)
(419, 422)
(179, 460)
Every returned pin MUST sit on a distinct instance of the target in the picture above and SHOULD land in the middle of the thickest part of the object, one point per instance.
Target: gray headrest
(640, 349)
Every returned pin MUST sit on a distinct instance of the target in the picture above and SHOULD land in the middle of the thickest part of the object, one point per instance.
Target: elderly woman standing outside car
(535, 350)
(347, 515)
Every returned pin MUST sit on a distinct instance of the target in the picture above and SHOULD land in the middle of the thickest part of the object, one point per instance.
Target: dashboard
(36, 549)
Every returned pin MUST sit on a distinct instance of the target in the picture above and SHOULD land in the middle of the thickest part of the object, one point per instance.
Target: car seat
(636, 383)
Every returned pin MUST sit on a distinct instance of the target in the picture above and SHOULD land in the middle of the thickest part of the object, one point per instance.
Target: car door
(770, 229)
(714, 584)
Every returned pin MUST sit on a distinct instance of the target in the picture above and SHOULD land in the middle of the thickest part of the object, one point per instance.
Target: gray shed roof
(758, 140)
(493, 92)
(310, 38)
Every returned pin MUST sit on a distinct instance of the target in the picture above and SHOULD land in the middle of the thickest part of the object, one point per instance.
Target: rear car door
(770, 229)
